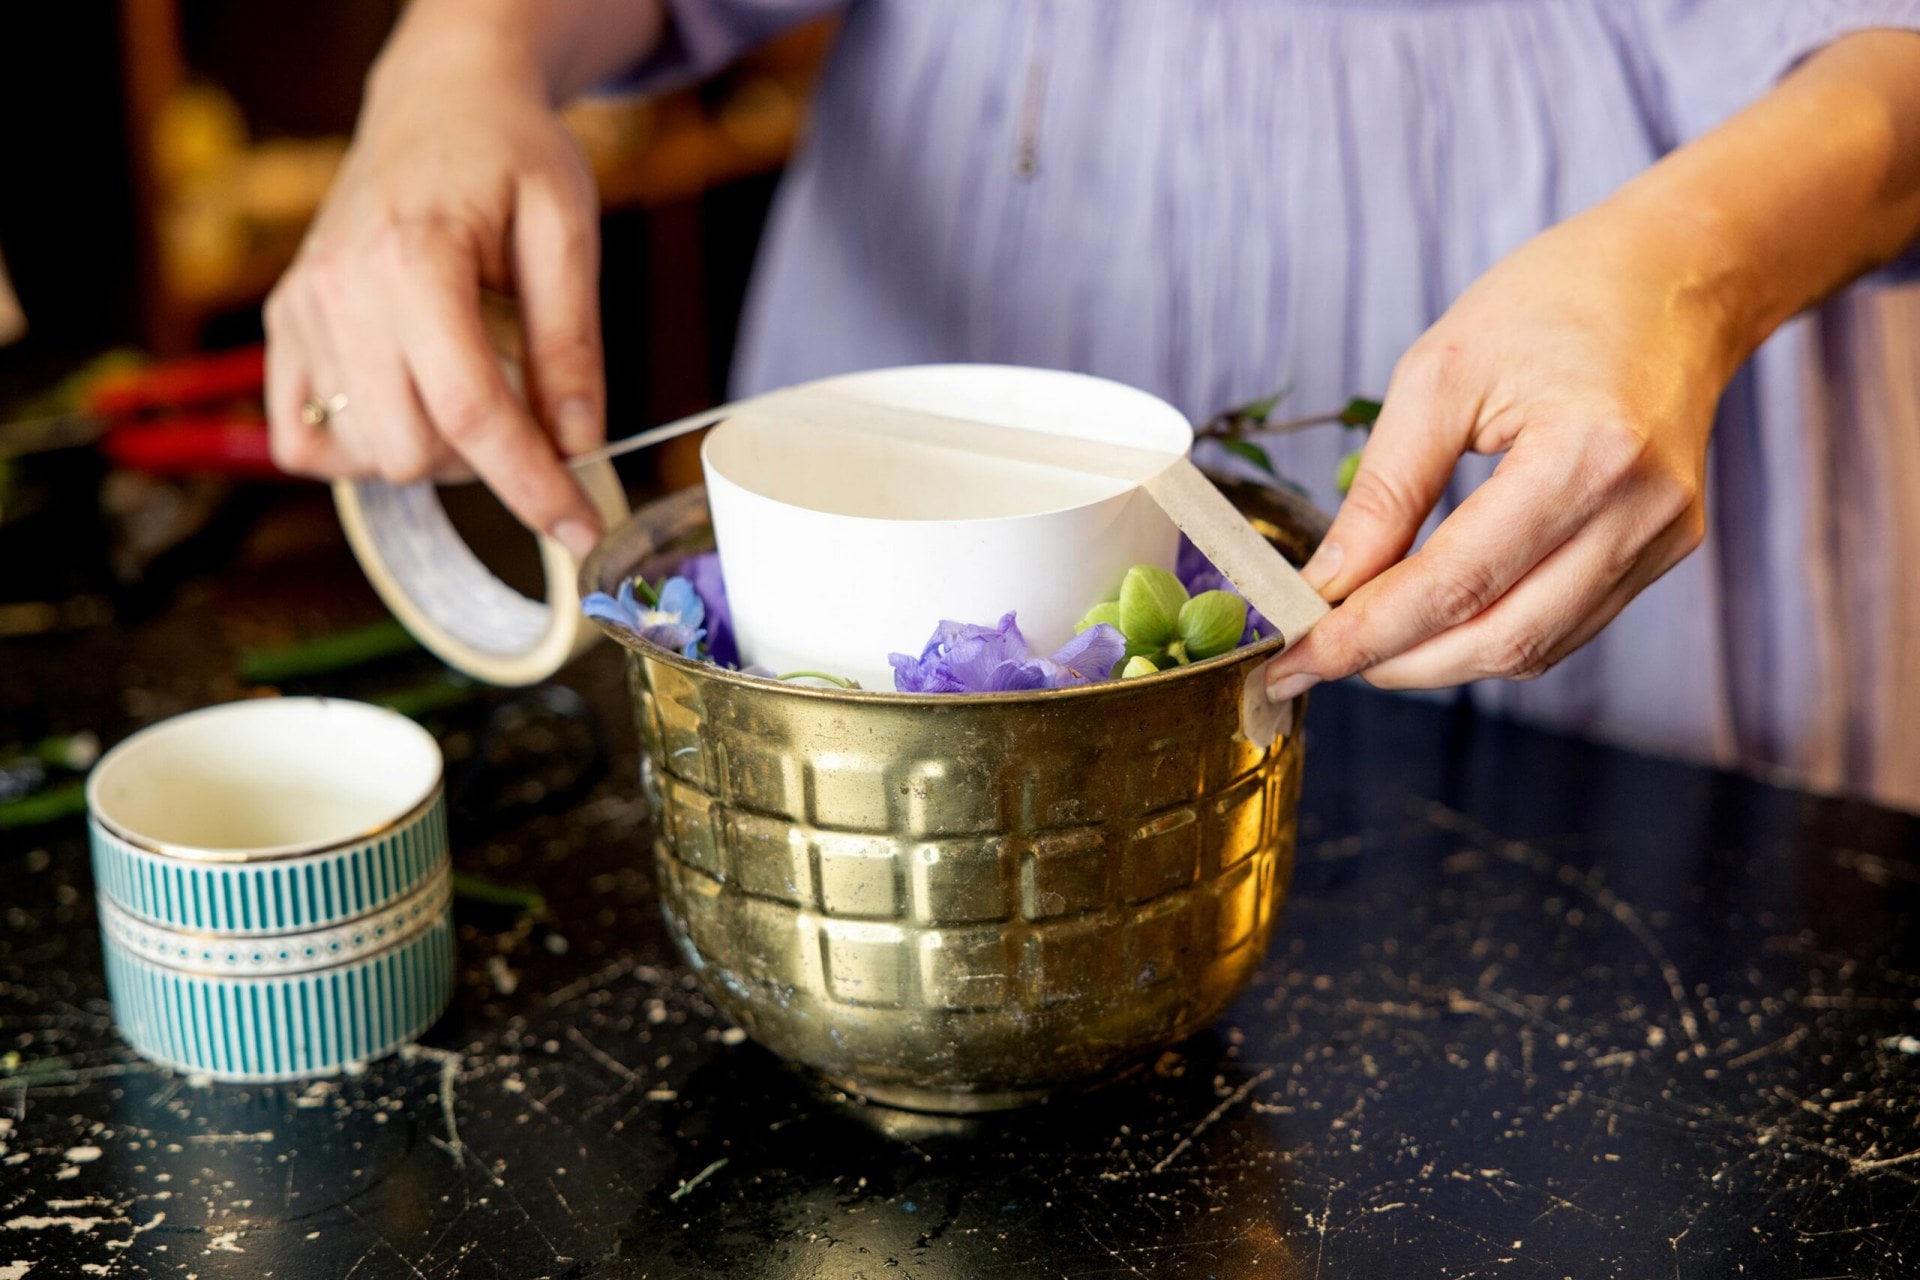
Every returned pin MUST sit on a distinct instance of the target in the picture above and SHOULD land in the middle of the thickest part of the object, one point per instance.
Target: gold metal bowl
(959, 902)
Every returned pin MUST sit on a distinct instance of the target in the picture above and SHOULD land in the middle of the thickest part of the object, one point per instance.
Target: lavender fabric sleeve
(1716, 56)
(705, 35)
(1812, 26)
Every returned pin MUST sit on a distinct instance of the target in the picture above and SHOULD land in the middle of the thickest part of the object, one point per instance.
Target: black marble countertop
(1535, 1009)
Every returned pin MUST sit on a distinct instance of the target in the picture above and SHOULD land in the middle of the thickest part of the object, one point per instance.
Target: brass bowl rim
(594, 569)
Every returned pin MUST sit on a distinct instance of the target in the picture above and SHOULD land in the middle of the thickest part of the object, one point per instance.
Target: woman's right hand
(460, 177)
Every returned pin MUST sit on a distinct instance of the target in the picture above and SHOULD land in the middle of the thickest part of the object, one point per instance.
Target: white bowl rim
(877, 381)
(266, 853)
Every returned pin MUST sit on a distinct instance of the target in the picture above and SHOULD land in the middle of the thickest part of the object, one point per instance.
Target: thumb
(1408, 459)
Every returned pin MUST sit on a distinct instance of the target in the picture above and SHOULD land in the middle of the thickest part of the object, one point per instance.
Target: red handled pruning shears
(198, 415)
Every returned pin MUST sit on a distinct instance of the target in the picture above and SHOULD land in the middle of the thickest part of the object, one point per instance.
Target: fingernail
(577, 426)
(1323, 566)
(577, 536)
(1287, 688)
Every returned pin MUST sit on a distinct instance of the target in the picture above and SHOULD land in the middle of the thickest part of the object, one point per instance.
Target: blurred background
(160, 161)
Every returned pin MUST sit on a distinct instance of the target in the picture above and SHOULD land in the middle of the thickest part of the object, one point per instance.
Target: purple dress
(1210, 198)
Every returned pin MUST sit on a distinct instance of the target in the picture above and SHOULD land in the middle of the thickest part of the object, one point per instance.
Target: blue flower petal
(621, 610)
(703, 571)
(674, 637)
(603, 607)
(679, 600)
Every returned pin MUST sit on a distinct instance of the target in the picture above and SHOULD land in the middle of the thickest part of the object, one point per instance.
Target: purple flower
(673, 622)
(1084, 659)
(703, 571)
(961, 657)
(966, 658)
(1192, 566)
(1197, 574)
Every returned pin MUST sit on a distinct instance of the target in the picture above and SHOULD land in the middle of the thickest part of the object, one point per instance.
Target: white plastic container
(842, 548)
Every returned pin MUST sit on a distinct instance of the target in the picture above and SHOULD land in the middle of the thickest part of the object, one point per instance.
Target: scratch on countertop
(1212, 1117)
(450, 1063)
(686, 1187)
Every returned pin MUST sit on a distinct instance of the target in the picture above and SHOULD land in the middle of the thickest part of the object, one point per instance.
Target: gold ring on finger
(315, 412)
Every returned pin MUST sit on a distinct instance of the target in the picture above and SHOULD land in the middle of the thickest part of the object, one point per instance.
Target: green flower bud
(1107, 611)
(1343, 475)
(1211, 623)
(1137, 666)
(1150, 600)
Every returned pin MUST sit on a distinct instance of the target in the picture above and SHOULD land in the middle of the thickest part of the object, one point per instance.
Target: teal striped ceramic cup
(273, 886)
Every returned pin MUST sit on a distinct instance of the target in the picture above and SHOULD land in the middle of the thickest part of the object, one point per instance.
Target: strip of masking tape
(451, 602)
(1247, 560)
(1261, 720)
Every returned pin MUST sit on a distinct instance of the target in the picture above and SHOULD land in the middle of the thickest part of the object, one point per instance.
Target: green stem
(1236, 430)
(44, 806)
(480, 889)
(425, 699)
(72, 752)
(338, 652)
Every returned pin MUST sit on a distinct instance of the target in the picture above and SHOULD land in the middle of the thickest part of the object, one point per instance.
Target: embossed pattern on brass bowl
(958, 902)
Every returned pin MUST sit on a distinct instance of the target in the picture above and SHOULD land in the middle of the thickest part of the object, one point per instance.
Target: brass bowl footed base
(956, 903)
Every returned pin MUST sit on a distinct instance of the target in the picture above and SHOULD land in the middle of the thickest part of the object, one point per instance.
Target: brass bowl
(959, 902)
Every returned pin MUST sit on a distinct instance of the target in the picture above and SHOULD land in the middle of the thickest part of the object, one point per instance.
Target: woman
(1552, 230)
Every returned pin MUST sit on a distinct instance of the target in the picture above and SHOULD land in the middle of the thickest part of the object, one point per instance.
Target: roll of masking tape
(451, 602)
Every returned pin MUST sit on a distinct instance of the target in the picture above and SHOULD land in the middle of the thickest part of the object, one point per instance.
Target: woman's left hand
(1592, 357)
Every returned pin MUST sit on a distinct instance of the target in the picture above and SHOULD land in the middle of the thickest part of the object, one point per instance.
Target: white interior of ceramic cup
(841, 547)
(269, 777)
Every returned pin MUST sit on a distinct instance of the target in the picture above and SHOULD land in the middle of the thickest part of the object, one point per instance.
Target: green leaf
(1137, 666)
(1344, 474)
(1293, 487)
(1251, 452)
(1262, 409)
(1211, 623)
(1360, 412)
(1150, 600)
